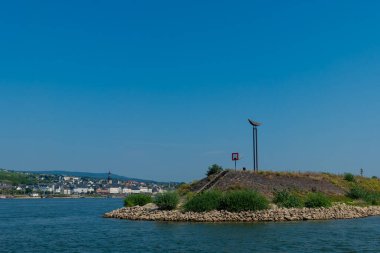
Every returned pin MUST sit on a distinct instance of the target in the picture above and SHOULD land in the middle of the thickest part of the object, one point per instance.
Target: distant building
(67, 191)
(71, 179)
(127, 190)
(58, 189)
(144, 189)
(46, 188)
(83, 190)
(115, 190)
(80, 190)
(157, 189)
(102, 191)
(5, 186)
(135, 190)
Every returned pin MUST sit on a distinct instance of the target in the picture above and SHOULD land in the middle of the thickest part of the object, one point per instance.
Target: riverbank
(340, 211)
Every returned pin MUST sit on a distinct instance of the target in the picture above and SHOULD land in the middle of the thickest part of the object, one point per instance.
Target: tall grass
(317, 199)
(371, 197)
(243, 200)
(137, 200)
(204, 202)
(287, 199)
(233, 201)
(167, 200)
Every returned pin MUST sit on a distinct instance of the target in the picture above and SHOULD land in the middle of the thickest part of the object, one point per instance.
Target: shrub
(374, 177)
(243, 200)
(214, 169)
(137, 200)
(167, 200)
(317, 199)
(357, 192)
(206, 201)
(372, 198)
(287, 199)
(349, 177)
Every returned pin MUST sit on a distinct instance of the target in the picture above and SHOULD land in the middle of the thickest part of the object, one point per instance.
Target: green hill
(16, 178)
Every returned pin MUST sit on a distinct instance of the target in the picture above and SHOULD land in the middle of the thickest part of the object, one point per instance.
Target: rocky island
(340, 211)
(242, 196)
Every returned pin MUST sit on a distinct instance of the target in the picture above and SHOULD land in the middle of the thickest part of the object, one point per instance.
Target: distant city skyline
(161, 90)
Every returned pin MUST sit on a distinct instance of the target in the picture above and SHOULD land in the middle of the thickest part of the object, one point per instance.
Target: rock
(151, 212)
(150, 206)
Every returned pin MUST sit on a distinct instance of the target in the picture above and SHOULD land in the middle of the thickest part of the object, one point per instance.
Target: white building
(46, 189)
(67, 191)
(127, 190)
(144, 189)
(80, 190)
(57, 189)
(135, 191)
(115, 190)
(72, 179)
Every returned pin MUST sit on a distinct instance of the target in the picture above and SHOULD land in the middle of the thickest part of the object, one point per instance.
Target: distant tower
(109, 180)
(361, 171)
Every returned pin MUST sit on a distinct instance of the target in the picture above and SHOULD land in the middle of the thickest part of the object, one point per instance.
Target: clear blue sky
(162, 89)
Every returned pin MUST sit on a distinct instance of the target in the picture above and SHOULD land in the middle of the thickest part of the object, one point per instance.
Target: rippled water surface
(76, 225)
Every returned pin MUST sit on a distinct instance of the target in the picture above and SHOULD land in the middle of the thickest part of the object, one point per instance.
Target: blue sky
(162, 89)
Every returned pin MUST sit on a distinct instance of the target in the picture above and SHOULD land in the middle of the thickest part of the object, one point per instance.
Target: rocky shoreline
(341, 211)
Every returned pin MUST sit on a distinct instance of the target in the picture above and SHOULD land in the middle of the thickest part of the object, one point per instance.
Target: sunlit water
(76, 225)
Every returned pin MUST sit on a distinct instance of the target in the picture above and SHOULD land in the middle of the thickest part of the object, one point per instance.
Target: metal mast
(255, 145)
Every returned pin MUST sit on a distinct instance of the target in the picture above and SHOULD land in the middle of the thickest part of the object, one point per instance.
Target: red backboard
(235, 156)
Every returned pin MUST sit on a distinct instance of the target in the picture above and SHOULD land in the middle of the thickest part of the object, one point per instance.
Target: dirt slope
(268, 182)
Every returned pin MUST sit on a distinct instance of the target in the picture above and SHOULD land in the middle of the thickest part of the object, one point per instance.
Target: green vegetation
(243, 200)
(373, 198)
(16, 178)
(137, 200)
(370, 197)
(236, 197)
(357, 192)
(233, 201)
(349, 177)
(204, 202)
(183, 189)
(369, 184)
(214, 169)
(287, 199)
(317, 199)
(167, 200)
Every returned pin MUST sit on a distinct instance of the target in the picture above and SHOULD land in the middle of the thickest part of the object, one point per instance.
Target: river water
(76, 225)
